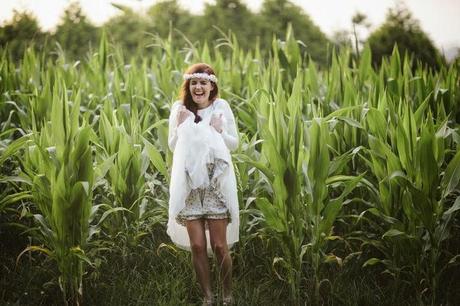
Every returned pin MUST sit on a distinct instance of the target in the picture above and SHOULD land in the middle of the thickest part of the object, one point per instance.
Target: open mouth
(198, 95)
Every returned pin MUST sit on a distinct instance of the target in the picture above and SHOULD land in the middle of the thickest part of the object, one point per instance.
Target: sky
(440, 19)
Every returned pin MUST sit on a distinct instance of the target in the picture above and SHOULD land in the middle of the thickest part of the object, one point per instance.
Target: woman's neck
(200, 106)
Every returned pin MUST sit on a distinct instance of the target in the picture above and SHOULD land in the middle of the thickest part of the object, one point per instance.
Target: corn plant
(59, 166)
(350, 159)
(414, 195)
(298, 213)
(10, 183)
(323, 207)
(127, 154)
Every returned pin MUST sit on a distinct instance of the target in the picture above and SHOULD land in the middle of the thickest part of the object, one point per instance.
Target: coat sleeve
(230, 131)
(172, 131)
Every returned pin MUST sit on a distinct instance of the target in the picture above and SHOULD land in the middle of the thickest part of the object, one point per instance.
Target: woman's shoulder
(221, 104)
(176, 104)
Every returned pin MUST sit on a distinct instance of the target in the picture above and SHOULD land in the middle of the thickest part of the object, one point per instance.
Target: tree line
(76, 35)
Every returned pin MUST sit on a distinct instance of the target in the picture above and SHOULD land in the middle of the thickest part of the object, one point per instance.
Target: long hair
(186, 95)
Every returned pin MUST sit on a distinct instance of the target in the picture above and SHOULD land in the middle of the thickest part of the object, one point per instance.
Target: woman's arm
(172, 131)
(229, 131)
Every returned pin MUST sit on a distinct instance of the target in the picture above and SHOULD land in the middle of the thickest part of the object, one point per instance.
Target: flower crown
(200, 75)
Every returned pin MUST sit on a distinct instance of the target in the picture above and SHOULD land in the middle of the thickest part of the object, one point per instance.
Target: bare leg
(196, 233)
(218, 238)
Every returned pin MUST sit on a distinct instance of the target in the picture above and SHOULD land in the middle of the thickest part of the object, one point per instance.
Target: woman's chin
(201, 102)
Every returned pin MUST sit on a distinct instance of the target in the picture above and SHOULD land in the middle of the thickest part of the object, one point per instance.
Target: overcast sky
(439, 18)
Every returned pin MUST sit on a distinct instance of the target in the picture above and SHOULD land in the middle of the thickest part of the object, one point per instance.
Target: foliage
(127, 30)
(75, 33)
(59, 168)
(20, 33)
(401, 29)
(136, 32)
(348, 177)
(167, 15)
(228, 15)
(276, 15)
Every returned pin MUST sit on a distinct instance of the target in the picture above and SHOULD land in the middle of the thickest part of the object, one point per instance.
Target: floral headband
(198, 75)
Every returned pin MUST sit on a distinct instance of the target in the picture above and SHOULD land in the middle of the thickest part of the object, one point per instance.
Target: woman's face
(200, 90)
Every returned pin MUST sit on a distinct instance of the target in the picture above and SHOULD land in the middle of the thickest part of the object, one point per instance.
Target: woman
(203, 204)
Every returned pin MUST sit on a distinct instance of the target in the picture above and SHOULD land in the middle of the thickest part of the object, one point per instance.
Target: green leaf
(394, 233)
(454, 260)
(452, 175)
(372, 261)
(453, 208)
(259, 165)
(77, 251)
(34, 248)
(329, 215)
(102, 168)
(14, 147)
(156, 158)
(271, 215)
(13, 198)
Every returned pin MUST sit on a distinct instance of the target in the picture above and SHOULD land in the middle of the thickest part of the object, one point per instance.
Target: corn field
(348, 177)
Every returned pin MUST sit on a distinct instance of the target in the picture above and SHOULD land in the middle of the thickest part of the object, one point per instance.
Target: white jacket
(195, 145)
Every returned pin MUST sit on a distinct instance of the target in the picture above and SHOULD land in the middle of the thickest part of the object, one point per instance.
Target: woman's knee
(220, 249)
(198, 247)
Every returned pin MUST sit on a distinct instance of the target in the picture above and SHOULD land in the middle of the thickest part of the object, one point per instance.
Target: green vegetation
(348, 177)
(255, 30)
(402, 29)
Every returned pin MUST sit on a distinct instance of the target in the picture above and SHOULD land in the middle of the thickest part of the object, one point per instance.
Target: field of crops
(348, 178)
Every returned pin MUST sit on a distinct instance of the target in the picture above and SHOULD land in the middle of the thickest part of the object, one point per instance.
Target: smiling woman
(199, 89)
(203, 203)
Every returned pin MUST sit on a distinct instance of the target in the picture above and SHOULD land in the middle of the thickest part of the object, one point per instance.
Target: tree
(402, 29)
(342, 39)
(352, 39)
(75, 33)
(275, 15)
(167, 15)
(358, 20)
(20, 33)
(127, 29)
(228, 15)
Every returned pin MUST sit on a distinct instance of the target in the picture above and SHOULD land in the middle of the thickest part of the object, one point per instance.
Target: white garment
(194, 145)
(203, 145)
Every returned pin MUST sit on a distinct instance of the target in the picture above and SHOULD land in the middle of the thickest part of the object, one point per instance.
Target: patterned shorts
(204, 203)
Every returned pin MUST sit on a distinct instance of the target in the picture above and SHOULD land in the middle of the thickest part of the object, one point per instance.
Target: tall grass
(353, 167)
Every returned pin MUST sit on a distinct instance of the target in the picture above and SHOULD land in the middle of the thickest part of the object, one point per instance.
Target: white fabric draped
(194, 146)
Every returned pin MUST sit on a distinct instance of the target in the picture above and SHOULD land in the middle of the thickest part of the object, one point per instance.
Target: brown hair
(186, 95)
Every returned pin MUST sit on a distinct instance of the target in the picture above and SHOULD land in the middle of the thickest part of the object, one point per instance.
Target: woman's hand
(217, 122)
(183, 114)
